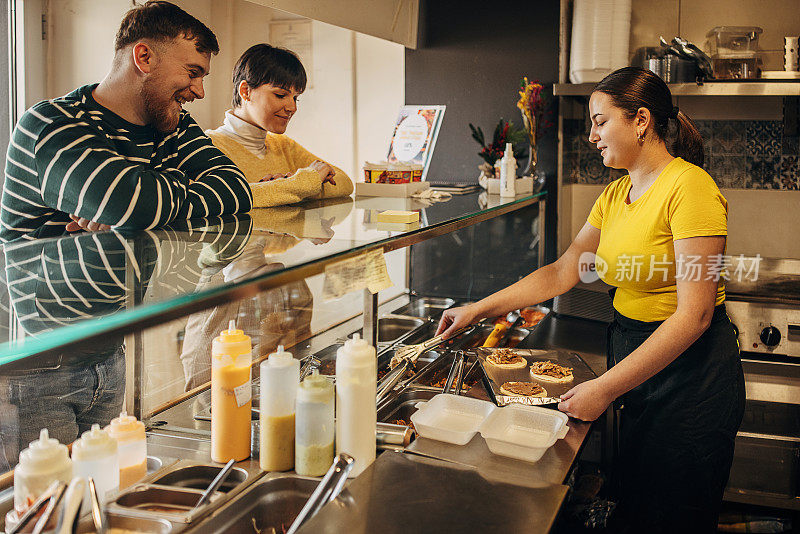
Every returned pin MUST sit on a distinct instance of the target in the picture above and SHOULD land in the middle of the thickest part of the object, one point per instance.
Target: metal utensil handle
(327, 490)
(458, 362)
(487, 382)
(55, 499)
(98, 517)
(215, 484)
(392, 378)
(437, 340)
(34, 508)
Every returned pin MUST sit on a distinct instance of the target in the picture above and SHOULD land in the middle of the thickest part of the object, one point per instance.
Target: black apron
(677, 430)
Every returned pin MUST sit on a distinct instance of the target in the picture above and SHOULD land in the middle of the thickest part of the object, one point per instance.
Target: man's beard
(158, 109)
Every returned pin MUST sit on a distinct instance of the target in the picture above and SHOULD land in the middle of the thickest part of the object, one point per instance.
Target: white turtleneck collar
(248, 135)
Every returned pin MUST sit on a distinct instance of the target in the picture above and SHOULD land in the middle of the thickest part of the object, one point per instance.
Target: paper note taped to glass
(365, 271)
(415, 134)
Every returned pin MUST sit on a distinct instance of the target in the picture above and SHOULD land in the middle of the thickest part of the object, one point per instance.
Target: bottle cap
(43, 453)
(126, 427)
(93, 444)
(280, 358)
(355, 351)
(232, 334)
(315, 388)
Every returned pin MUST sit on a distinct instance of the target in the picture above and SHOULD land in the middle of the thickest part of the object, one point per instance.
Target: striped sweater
(70, 155)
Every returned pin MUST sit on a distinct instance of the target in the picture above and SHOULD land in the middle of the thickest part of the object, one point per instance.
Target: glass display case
(101, 322)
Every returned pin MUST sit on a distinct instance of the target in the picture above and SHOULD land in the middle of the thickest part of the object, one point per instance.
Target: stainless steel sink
(402, 406)
(271, 503)
(426, 307)
(130, 524)
(200, 476)
(393, 327)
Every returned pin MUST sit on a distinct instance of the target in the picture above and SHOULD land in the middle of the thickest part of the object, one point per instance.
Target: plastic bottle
(44, 461)
(314, 431)
(356, 417)
(231, 395)
(508, 173)
(131, 448)
(280, 373)
(95, 455)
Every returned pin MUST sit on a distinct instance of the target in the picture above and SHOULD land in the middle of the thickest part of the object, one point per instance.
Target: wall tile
(762, 172)
(738, 154)
(728, 137)
(790, 172)
(727, 171)
(764, 138)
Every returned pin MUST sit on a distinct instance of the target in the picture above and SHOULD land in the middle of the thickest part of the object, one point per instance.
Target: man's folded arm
(81, 173)
(216, 185)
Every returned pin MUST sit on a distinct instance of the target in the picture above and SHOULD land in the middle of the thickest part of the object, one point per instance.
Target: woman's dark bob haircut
(632, 88)
(263, 63)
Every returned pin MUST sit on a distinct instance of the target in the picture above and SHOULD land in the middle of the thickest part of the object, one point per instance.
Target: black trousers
(677, 430)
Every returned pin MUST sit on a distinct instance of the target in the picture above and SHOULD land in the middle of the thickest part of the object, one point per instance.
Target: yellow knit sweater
(283, 155)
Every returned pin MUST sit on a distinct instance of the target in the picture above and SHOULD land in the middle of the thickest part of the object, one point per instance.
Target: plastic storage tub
(725, 41)
(523, 432)
(451, 418)
(516, 431)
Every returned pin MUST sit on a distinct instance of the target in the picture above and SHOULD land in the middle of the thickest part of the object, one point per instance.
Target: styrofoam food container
(523, 432)
(517, 431)
(451, 418)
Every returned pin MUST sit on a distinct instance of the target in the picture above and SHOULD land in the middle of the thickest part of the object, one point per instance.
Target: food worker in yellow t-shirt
(674, 363)
(267, 82)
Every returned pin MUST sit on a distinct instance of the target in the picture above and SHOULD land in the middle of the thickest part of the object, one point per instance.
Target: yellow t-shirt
(636, 252)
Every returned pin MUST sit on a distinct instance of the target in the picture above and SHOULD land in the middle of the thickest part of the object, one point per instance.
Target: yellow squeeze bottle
(231, 395)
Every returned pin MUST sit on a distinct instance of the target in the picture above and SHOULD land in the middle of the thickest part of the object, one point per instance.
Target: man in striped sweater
(123, 153)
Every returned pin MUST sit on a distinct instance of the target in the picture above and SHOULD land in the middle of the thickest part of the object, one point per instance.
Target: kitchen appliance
(763, 302)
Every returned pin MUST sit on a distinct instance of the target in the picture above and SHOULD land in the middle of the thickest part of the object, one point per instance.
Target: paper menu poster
(414, 136)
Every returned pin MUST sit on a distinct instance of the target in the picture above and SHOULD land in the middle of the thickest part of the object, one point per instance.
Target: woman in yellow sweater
(266, 84)
(673, 361)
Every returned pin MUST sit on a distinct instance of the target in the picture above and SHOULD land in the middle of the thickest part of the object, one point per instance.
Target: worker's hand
(275, 176)
(79, 223)
(325, 171)
(587, 401)
(455, 318)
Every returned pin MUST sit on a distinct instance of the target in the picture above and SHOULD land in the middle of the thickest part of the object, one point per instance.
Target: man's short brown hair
(160, 20)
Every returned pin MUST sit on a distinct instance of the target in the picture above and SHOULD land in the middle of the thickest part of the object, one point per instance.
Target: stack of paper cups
(790, 55)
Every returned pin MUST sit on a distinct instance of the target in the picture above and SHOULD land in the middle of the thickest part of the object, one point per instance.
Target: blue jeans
(66, 400)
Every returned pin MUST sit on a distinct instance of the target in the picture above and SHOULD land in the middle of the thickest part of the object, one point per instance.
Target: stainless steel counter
(401, 494)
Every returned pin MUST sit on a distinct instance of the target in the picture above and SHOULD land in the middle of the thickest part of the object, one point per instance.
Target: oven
(765, 309)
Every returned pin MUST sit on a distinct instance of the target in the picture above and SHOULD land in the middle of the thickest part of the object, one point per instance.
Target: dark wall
(472, 56)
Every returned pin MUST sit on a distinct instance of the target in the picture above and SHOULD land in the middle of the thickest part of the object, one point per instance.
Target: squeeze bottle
(280, 373)
(356, 389)
(508, 173)
(44, 461)
(231, 395)
(314, 431)
(95, 455)
(131, 448)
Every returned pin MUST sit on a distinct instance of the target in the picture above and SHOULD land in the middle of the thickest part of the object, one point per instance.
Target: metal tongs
(413, 352)
(214, 486)
(457, 373)
(328, 489)
(31, 512)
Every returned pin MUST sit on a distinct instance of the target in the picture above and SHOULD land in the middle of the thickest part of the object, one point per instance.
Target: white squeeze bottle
(314, 426)
(95, 455)
(280, 374)
(131, 448)
(508, 173)
(44, 461)
(356, 388)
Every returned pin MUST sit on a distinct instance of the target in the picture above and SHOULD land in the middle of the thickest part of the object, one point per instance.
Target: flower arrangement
(504, 132)
(534, 103)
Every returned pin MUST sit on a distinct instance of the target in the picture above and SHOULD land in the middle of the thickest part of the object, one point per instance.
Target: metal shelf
(732, 88)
